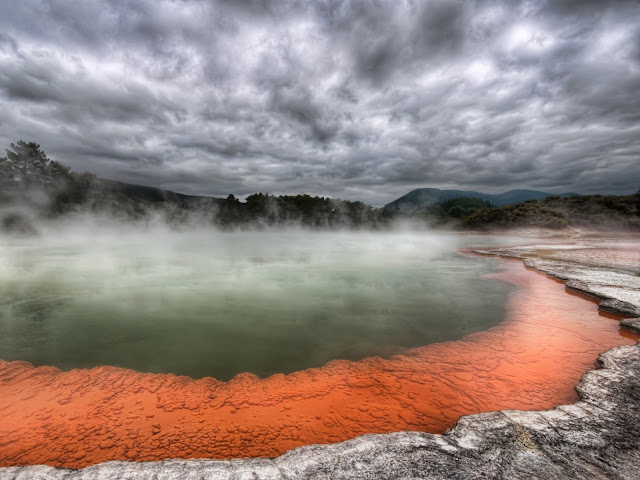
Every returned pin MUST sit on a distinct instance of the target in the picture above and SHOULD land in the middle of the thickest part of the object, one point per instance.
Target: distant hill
(153, 195)
(422, 197)
(595, 212)
(33, 187)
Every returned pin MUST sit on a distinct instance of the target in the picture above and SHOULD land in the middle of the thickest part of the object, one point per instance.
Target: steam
(203, 302)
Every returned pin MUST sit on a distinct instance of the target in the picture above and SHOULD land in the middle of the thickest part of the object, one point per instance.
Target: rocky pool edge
(597, 437)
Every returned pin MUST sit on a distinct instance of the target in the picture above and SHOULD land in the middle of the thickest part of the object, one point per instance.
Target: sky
(360, 100)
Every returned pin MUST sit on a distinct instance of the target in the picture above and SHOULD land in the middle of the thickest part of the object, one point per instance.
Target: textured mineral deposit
(531, 361)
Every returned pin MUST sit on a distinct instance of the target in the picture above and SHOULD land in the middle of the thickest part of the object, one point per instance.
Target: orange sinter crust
(532, 360)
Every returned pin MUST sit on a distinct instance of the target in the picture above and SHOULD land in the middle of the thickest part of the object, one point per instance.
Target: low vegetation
(453, 210)
(589, 211)
(34, 187)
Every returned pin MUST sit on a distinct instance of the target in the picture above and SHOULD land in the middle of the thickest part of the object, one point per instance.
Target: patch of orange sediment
(530, 361)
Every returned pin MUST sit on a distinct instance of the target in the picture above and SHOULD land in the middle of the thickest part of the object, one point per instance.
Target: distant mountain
(153, 195)
(422, 197)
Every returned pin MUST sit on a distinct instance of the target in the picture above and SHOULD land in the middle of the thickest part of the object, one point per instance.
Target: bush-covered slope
(589, 211)
(423, 197)
(33, 187)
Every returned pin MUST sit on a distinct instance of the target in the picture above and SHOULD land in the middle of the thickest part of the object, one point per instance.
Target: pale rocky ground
(597, 437)
(605, 268)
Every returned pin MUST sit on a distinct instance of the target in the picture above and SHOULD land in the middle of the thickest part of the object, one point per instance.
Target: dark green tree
(26, 163)
(456, 211)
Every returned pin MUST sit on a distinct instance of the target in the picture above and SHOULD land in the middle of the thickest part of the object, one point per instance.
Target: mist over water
(208, 303)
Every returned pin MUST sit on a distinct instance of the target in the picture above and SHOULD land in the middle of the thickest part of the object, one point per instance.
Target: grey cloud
(8, 45)
(381, 40)
(334, 97)
(582, 7)
(441, 27)
(299, 105)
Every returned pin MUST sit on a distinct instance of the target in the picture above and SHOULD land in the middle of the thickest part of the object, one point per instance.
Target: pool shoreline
(524, 438)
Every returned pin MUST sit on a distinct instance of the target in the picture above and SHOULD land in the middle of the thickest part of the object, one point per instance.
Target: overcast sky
(353, 99)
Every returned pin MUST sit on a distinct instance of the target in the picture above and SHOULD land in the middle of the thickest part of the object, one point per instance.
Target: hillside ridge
(422, 197)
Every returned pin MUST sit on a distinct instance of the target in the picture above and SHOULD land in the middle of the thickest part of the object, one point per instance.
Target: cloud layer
(355, 99)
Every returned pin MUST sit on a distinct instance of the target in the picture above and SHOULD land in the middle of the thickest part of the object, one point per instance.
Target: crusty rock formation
(608, 273)
(598, 437)
(531, 361)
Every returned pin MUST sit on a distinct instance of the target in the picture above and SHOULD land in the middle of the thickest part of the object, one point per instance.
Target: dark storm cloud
(348, 98)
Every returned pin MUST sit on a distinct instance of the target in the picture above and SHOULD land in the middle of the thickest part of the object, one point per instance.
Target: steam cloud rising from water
(208, 303)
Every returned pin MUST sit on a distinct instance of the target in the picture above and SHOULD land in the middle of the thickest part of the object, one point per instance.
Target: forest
(34, 187)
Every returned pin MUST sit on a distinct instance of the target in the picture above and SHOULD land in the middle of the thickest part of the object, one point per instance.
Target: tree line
(50, 189)
(33, 186)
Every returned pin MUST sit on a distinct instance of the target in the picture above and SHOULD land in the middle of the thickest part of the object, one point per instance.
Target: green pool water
(216, 304)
